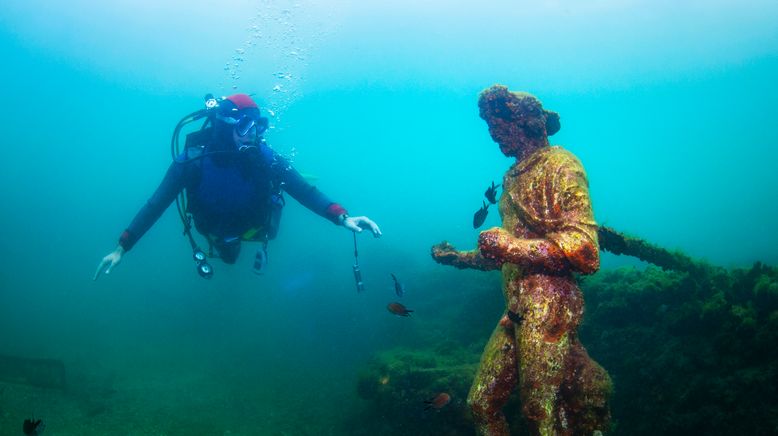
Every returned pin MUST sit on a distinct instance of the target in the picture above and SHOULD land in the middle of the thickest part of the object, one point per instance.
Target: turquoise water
(670, 107)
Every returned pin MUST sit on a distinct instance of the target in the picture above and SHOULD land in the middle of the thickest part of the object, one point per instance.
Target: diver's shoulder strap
(194, 152)
(272, 162)
(198, 138)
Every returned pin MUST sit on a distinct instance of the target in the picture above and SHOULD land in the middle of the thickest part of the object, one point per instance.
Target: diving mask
(244, 123)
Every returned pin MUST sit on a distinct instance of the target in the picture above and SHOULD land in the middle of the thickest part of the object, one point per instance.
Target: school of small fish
(480, 215)
(398, 309)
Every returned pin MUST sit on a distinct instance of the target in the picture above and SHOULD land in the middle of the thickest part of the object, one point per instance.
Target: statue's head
(517, 120)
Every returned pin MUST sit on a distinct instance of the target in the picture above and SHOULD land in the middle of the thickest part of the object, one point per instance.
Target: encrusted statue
(548, 234)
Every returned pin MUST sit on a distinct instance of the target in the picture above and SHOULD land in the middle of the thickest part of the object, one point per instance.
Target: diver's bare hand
(109, 262)
(357, 223)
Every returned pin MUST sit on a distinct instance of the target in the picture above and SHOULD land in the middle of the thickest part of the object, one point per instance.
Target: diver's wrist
(342, 218)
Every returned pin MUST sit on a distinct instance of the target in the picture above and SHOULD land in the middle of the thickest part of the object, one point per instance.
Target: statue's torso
(544, 196)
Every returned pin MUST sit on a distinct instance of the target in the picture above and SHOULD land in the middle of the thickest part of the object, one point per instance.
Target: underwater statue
(548, 234)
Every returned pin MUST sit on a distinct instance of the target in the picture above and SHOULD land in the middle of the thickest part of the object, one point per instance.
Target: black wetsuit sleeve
(309, 196)
(174, 181)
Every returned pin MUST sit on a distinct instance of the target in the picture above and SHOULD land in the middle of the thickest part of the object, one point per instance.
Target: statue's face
(516, 120)
(511, 138)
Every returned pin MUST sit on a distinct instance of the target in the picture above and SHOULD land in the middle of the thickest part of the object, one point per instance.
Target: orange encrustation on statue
(548, 234)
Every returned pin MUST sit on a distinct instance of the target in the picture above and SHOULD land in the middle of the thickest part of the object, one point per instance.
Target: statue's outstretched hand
(444, 253)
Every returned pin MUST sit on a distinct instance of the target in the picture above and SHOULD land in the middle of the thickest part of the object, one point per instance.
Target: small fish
(398, 309)
(33, 427)
(438, 402)
(515, 317)
(399, 289)
(491, 193)
(480, 216)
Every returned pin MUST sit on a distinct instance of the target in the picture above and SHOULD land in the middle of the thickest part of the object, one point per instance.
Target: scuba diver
(229, 183)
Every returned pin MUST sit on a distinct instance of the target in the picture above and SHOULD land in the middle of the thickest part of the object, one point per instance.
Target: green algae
(695, 357)
(689, 353)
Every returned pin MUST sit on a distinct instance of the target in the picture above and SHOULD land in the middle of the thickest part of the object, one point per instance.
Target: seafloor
(688, 354)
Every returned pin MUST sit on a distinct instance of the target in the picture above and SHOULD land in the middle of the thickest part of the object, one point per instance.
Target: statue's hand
(493, 242)
(444, 253)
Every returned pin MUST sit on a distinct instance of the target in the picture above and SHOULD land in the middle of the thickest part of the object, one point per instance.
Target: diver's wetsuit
(230, 194)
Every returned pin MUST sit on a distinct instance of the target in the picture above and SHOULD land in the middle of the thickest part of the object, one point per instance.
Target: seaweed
(689, 352)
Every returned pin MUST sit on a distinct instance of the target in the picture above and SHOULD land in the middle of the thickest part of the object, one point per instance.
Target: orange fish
(398, 309)
(438, 402)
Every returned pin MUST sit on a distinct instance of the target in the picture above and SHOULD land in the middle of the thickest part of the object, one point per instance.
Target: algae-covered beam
(619, 243)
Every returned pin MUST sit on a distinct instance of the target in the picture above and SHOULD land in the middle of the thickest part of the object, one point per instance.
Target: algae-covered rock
(698, 356)
(766, 293)
(687, 355)
(396, 383)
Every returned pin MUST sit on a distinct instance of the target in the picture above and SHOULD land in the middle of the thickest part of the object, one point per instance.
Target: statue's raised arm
(446, 254)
